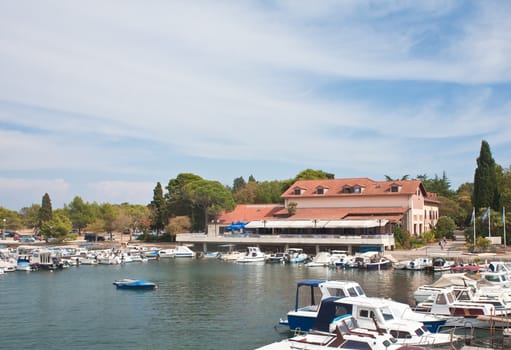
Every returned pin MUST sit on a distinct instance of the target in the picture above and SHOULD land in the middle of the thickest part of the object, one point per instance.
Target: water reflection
(204, 304)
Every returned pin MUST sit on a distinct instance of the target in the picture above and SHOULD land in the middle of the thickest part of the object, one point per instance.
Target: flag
(473, 215)
(486, 213)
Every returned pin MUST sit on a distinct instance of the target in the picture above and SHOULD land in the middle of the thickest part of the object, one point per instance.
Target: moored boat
(128, 283)
(254, 255)
(309, 294)
(295, 256)
(346, 335)
(182, 251)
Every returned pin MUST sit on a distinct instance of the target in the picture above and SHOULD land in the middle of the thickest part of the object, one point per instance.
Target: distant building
(354, 206)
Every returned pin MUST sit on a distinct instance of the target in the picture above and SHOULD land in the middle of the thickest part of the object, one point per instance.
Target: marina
(206, 303)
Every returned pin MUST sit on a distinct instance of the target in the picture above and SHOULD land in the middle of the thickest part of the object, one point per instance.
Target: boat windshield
(387, 313)
(336, 292)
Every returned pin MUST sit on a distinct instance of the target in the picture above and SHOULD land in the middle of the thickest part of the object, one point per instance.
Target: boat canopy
(313, 283)
(316, 223)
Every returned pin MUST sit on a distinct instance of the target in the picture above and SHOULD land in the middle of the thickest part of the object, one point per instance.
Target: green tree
(291, 208)
(46, 212)
(30, 215)
(485, 180)
(80, 213)
(179, 204)
(57, 227)
(178, 224)
(444, 227)
(246, 194)
(311, 174)
(238, 184)
(158, 208)
(12, 219)
(207, 194)
(401, 237)
(108, 214)
(441, 186)
(269, 192)
(463, 198)
(504, 185)
(403, 178)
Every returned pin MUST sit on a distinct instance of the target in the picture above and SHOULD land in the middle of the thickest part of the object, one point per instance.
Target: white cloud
(117, 192)
(23, 192)
(123, 89)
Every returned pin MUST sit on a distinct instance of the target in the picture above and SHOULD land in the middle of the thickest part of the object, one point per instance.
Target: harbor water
(200, 304)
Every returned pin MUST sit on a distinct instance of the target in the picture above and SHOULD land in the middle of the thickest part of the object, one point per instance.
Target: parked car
(10, 233)
(27, 239)
(109, 236)
(93, 237)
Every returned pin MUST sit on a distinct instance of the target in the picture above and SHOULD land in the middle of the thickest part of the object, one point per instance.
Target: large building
(348, 212)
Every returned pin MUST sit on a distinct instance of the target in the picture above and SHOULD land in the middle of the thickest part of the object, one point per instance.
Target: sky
(103, 99)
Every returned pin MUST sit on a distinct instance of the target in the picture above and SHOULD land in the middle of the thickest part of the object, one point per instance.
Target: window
(346, 190)
(320, 190)
(356, 189)
(297, 191)
(353, 344)
(353, 292)
(394, 188)
(336, 292)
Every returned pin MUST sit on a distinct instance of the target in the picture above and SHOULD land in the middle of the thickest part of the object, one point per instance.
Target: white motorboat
(210, 255)
(336, 255)
(232, 256)
(377, 314)
(458, 282)
(501, 278)
(295, 256)
(440, 264)
(321, 259)
(8, 264)
(23, 265)
(167, 253)
(254, 255)
(309, 294)
(460, 312)
(346, 335)
(182, 251)
(419, 264)
(108, 259)
(401, 265)
(276, 258)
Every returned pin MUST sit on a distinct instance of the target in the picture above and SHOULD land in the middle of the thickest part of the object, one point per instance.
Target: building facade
(355, 211)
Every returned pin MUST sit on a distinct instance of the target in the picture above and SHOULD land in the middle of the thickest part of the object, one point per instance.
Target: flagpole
(489, 229)
(474, 221)
(504, 224)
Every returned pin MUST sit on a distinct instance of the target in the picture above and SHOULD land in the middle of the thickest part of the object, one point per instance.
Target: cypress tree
(486, 192)
(45, 212)
(158, 207)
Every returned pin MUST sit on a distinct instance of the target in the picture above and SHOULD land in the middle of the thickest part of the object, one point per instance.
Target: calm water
(200, 304)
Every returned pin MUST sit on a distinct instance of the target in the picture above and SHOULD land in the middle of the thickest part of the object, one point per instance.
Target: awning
(316, 224)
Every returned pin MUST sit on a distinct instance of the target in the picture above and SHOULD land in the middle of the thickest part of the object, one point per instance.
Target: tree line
(189, 202)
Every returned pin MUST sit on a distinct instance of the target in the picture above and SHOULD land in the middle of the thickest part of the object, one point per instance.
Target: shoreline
(454, 250)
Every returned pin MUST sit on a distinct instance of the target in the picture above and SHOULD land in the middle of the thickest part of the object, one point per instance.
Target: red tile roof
(250, 212)
(369, 187)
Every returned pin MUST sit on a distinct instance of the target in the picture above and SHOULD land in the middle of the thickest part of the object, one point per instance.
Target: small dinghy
(129, 283)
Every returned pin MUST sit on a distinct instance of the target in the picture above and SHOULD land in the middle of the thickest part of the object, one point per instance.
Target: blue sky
(103, 99)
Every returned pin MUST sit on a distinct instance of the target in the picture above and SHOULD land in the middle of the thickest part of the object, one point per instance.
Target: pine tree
(486, 192)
